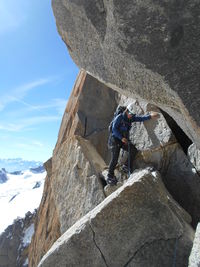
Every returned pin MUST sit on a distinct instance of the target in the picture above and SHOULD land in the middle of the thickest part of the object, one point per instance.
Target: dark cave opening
(179, 178)
(181, 137)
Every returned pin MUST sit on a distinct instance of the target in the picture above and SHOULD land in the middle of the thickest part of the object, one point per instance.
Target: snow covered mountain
(3, 176)
(18, 164)
(20, 193)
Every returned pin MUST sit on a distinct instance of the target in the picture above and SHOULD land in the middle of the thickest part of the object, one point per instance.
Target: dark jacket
(122, 125)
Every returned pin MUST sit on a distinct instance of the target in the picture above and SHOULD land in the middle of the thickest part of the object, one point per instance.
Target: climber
(121, 126)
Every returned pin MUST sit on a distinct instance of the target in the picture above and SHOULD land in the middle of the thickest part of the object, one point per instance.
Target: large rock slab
(194, 260)
(138, 225)
(143, 49)
(77, 187)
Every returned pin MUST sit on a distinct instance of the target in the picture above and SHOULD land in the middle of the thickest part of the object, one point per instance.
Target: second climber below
(121, 126)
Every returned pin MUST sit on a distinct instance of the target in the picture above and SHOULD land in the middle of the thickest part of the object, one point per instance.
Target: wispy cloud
(18, 93)
(10, 127)
(25, 88)
(24, 124)
(56, 105)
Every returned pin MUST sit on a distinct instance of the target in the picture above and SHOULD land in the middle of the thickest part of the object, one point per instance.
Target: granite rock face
(142, 49)
(77, 187)
(138, 225)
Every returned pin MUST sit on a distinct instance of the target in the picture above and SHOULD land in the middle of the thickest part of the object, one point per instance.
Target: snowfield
(20, 194)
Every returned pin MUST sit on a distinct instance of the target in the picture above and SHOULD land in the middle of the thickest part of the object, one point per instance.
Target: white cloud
(18, 93)
(58, 103)
(25, 88)
(25, 123)
(57, 106)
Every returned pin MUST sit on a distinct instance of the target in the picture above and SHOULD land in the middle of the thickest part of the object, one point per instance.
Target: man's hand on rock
(124, 140)
(154, 115)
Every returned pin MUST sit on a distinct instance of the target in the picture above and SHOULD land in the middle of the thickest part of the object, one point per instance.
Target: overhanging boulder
(138, 225)
(143, 49)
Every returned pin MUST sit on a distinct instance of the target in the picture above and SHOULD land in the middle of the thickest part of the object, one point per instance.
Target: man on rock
(120, 138)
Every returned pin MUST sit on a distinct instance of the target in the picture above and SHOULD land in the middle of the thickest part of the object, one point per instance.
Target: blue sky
(36, 78)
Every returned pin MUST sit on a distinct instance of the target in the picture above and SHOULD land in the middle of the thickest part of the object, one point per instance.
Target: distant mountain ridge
(18, 164)
(39, 169)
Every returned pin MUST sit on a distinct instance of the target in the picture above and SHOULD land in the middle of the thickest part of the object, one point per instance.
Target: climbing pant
(115, 150)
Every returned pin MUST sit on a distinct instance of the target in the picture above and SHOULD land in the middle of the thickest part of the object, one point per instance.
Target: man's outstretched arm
(151, 115)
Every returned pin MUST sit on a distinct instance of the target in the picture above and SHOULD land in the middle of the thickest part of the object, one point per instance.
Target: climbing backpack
(119, 110)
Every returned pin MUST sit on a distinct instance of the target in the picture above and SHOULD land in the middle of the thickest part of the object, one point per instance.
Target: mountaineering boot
(111, 180)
